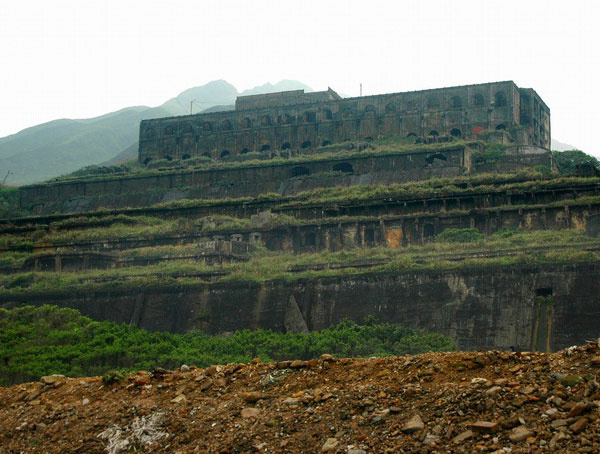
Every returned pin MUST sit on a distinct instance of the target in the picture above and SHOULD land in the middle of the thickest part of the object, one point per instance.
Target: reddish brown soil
(465, 402)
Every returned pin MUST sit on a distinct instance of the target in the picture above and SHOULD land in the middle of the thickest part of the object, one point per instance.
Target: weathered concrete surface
(284, 121)
(243, 181)
(479, 308)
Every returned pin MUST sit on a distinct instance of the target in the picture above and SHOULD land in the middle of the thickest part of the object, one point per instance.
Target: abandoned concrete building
(297, 121)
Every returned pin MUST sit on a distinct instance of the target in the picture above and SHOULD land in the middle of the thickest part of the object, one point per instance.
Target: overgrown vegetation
(9, 202)
(398, 146)
(568, 160)
(51, 340)
(450, 251)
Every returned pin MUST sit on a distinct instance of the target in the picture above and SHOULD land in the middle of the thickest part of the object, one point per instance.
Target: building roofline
(352, 98)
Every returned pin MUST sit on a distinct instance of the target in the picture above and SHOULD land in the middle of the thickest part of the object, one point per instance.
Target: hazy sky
(82, 58)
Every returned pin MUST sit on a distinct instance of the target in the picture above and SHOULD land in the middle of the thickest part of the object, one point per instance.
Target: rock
(578, 425)
(330, 445)
(463, 436)
(184, 368)
(250, 412)
(327, 357)
(353, 450)
(430, 440)
(519, 434)
(85, 401)
(595, 361)
(251, 396)
(414, 424)
(178, 399)
(577, 409)
(52, 379)
(297, 364)
(571, 380)
(559, 423)
(493, 390)
(478, 381)
(485, 427)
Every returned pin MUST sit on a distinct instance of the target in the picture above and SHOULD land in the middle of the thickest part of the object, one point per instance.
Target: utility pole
(7, 174)
(361, 89)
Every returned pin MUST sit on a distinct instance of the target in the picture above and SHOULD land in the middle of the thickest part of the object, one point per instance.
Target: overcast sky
(83, 58)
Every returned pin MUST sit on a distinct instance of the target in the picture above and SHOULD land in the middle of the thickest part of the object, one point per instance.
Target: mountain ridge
(60, 146)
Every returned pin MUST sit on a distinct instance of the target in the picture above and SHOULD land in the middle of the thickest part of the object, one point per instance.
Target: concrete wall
(479, 308)
(389, 231)
(462, 111)
(242, 181)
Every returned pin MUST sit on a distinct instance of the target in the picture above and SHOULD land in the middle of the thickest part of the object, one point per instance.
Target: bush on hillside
(36, 341)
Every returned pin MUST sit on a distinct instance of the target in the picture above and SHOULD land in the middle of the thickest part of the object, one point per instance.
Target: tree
(568, 160)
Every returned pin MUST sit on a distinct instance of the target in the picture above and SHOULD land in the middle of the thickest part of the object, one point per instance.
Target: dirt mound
(437, 402)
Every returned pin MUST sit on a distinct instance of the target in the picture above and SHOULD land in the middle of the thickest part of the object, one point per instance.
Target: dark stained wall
(482, 308)
(464, 111)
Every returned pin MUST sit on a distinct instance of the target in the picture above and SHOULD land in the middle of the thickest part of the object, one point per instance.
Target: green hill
(62, 146)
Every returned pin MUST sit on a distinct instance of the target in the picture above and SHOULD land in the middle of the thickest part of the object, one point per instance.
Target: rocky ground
(438, 402)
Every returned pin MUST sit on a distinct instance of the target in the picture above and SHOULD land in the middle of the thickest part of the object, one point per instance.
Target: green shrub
(468, 235)
(36, 341)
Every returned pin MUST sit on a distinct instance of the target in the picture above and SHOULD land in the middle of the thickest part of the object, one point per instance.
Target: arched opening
(344, 167)
(325, 143)
(225, 125)
(477, 100)
(369, 236)
(428, 231)
(149, 133)
(433, 133)
(206, 154)
(310, 239)
(224, 154)
(306, 144)
(433, 102)
(501, 127)
(455, 132)
(286, 146)
(246, 123)
(326, 114)
(411, 135)
(169, 131)
(455, 102)
(168, 158)
(299, 171)
(499, 99)
(187, 129)
(206, 126)
(245, 150)
(390, 108)
(308, 117)
(431, 158)
(147, 160)
(370, 111)
(185, 156)
(368, 139)
(285, 119)
(265, 120)
(265, 147)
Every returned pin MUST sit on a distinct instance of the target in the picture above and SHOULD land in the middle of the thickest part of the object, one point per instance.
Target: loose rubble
(495, 402)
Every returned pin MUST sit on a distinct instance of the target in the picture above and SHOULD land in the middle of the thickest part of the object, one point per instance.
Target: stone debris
(414, 424)
(496, 402)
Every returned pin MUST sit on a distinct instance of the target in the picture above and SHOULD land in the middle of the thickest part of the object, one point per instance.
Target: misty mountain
(62, 146)
(560, 146)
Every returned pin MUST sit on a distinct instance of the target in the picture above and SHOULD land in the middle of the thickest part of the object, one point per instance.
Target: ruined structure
(186, 228)
(296, 121)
